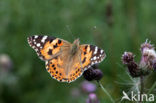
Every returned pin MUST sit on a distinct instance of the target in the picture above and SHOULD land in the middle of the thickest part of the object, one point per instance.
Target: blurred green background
(114, 25)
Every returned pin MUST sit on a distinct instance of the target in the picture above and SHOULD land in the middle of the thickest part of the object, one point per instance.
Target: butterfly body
(75, 47)
(65, 61)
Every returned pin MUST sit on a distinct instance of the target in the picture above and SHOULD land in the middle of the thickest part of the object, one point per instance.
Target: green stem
(106, 92)
(142, 87)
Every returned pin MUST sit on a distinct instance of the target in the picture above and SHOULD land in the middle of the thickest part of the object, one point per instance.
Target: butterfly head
(76, 42)
(75, 46)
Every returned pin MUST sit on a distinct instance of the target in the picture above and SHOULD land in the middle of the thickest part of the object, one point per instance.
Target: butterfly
(65, 61)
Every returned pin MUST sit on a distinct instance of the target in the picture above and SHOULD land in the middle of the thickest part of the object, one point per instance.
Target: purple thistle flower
(147, 63)
(148, 55)
(88, 87)
(92, 98)
(146, 45)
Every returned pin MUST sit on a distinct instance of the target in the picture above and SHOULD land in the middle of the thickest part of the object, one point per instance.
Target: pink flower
(88, 87)
(92, 98)
(148, 55)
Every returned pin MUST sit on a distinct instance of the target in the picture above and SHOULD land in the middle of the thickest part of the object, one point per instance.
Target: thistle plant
(143, 69)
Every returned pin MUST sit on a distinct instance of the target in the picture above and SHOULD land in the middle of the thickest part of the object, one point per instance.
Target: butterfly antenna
(69, 30)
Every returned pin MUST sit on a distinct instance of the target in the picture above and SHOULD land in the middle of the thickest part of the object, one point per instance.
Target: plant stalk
(106, 91)
(141, 87)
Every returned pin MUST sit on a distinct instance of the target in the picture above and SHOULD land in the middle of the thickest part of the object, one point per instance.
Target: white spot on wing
(33, 47)
(38, 44)
(36, 36)
(36, 49)
(43, 39)
(101, 51)
(94, 58)
(46, 62)
(96, 48)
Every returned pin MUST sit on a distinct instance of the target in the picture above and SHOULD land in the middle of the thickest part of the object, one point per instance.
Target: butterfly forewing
(91, 55)
(46, 47)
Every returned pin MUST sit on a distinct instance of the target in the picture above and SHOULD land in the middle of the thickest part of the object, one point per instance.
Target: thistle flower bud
(89, 74)
(98, 74)
(93, 74)
(133, 69)
(127, 57)
(92, 98)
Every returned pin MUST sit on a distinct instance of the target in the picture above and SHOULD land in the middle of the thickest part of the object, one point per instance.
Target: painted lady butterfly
(65, 61)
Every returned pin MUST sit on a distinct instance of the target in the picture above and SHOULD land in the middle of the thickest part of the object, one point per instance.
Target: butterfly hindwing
(54, 67)
(65, 68)
(46, 46)
(57, 70)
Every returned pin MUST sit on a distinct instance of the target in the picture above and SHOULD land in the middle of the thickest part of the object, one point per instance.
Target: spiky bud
(127, 57)
(89, 74)
(93, 74)
(98, 74)
(134, 69)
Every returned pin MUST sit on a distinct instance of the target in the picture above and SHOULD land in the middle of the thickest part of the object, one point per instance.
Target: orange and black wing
(91, 55)
(46, 46)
